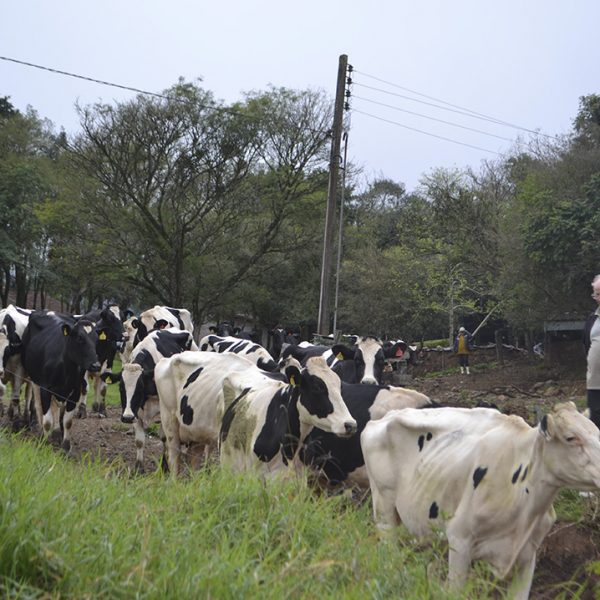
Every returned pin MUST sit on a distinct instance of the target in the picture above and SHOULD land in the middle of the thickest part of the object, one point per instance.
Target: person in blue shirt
(463, 346)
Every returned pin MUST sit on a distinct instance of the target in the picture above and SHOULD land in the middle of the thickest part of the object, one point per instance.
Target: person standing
(463, 345)
(591, 341)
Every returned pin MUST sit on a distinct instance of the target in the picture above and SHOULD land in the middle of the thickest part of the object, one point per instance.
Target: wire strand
(460, 112)
(440, 137)
(410, 112)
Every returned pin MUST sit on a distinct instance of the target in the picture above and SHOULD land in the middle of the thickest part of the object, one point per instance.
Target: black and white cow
(361, 363)
(258, 418)
(341, 460)
(15, 320)
(159, 317)
(246, 348)
(486, 480)
(110, 335)
(57, 350)
(139, 400)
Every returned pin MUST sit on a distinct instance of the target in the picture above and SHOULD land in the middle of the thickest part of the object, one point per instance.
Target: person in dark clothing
(591, 341)
(463, 345)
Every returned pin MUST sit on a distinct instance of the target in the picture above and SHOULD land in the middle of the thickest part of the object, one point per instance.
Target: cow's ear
(66, 329)
(161, 324)
(293, 375)
(135, 323)
(342, 352)
(547, 427)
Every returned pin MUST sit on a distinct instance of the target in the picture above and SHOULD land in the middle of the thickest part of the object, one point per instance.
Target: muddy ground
(520, 386)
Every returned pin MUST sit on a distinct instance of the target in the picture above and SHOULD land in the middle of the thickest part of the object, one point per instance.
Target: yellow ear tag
(292, 380)
(65, 332)
(339, 356)
(108, 380)
(102, 336)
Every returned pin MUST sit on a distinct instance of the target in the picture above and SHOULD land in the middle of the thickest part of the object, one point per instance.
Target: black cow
(139, 400)
(110, 336)
(281, 338)
(341, 459)
(57, 350)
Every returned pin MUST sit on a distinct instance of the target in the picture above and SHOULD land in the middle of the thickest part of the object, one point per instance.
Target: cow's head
(81, 344)
(368, 359)
(135, 386)
(571, 448)
(320, 397)
(110, 326)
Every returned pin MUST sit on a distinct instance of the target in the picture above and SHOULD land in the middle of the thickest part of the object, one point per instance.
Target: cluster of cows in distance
(487, 479)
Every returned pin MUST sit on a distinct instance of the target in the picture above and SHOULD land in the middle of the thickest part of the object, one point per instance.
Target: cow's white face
(573, 447)
(321, 403)
(130, 377)
(370, 365)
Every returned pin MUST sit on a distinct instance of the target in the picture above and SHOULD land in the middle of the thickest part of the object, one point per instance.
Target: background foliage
(182, 200)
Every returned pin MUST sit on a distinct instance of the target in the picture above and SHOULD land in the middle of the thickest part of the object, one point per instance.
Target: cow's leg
(17, 382)
(384, 510)
(459, 561)
(523, 574)
(2, 391)
(100, 388)
(172, 442)
(140, 440)
(44, 410)
(82, 410)
(67, 422)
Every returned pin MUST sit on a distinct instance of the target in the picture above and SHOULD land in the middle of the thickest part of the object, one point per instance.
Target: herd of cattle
(487, 479)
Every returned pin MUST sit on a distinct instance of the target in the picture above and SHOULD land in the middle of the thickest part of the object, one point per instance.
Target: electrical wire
(410, 112)
(440, 137)
(456, 106)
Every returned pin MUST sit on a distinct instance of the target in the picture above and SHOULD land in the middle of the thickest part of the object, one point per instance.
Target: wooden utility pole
(334, 166)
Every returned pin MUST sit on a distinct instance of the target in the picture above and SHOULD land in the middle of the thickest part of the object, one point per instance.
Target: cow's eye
(571, 438)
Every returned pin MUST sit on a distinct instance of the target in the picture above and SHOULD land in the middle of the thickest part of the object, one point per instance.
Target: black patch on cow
(429, 436)
(421, 441)
(222, 346)
(193, 377)
(281, 428)
(187, 412)
(434, 511)
(516, 474)
(478, 475)
(229, 416)
(527, 490)
(525, 473)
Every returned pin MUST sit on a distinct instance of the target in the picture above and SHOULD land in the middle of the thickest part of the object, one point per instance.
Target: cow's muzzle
(94, 367)
(129, 419)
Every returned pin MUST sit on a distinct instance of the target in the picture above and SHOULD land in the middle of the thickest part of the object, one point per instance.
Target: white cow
(247, 348)
(487, 479)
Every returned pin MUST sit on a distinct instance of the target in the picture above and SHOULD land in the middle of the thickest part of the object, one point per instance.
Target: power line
(440, 137)
(410, 112)
(140, 91)
(461, 111)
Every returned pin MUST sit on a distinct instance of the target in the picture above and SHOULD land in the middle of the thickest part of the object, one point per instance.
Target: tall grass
(71, 530)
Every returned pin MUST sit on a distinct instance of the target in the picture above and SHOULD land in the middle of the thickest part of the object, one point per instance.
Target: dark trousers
(593, 402)
(463, 360)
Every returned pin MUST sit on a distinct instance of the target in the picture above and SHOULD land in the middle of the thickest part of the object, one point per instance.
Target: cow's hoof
(102, 411)
(66, 445)
(138, 468)
(95, 407)
(55, 437)
(82, 412)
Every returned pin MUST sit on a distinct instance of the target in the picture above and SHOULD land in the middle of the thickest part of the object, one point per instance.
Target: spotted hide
(340, 460)
(246, 348)
(486, 479)
(139, 398)
(264, 420)
(189, 387)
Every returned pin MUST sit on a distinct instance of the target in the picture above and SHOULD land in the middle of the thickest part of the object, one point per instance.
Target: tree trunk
(499, 354)
(21, 286)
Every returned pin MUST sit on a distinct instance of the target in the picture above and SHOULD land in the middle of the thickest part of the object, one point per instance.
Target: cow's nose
(369, 381)
(127, 419)
(95, 367)
(350, 427)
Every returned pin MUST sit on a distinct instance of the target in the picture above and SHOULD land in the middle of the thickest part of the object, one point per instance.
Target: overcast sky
(525, 62)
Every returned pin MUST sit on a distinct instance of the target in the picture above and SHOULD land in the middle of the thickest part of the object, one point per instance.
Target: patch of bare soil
(520, 386)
